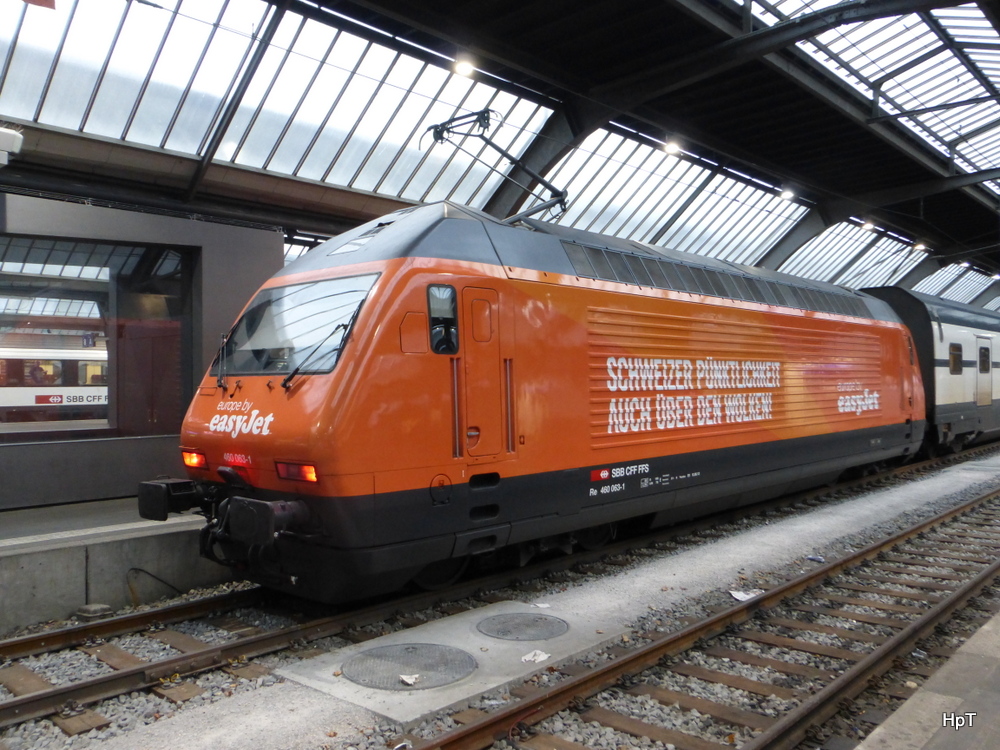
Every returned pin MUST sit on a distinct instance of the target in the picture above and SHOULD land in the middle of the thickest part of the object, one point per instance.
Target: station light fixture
(464, 67)
(786, 194)
(10, 143)
(868, 226)
(919, 246)
(672, 146)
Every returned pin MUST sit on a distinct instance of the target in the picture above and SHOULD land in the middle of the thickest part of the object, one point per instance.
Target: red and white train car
(51, 385)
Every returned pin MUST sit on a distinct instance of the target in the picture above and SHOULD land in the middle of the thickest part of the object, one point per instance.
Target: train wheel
(596, 536)
(440, 574)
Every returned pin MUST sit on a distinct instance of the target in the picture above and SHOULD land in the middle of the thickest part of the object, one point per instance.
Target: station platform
(55, 559)
(957, 708)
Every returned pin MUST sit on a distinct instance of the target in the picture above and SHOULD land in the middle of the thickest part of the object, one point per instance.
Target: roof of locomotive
(452, 232)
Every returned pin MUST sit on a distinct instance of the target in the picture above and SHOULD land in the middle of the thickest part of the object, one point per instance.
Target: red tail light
(300, 472)
(194, 459)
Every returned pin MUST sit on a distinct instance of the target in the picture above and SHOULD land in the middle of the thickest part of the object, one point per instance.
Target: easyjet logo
(242, 424)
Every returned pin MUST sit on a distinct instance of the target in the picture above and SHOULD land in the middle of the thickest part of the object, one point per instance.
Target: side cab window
(443, 308)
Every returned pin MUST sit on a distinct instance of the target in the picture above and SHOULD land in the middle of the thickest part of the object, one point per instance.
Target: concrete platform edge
(50, 579)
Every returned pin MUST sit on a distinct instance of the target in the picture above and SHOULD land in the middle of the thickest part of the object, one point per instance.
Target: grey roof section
(448, 231)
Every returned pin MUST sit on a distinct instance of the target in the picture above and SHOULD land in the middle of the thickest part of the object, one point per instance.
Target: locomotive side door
(483, 433)
(984, 372)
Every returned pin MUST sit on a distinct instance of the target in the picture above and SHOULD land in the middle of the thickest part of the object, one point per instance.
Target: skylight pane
(293, 78)
(627, 188)
(967, 287)
(407, 129)
(876, 48)
(174, 69)
(732, 220)
(36, 45)
(822, 257)
(349, 104)
(131, 60)
(940, 279)
(90, 36)
(985, 146)
(10, 19)
(883, 264)
(966, 24)
(257, 91)
(367, 149)
(226, 54)
(615, 187)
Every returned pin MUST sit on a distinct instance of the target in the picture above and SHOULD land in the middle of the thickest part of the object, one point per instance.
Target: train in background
(438, 384)
(47, 385)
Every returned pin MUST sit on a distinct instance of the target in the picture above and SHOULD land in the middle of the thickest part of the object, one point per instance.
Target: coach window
(441, 302)
(955, 359)
(984, 359)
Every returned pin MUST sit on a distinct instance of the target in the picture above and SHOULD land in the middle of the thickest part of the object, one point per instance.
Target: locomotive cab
(294, 451)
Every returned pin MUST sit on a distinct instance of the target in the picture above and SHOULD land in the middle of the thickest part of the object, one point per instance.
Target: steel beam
(654, 82)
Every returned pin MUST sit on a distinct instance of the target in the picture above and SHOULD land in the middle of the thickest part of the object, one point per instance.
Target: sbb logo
(48, 399)
(599, 475)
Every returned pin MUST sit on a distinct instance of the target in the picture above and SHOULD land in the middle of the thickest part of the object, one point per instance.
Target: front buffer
(279, 542)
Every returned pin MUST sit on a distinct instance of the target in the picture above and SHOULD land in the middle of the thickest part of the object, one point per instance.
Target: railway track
(27, 694)
(857, 616)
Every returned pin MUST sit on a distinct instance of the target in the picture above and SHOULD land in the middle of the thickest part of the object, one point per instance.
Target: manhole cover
(523, 627)
(425, 665)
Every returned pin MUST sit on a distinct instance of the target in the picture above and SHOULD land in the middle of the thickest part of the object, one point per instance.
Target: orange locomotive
(437, 384)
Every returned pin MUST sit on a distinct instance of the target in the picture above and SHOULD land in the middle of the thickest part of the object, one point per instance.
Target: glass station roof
(622, 186)
(326, 100)
(323, 104)
(937, 72)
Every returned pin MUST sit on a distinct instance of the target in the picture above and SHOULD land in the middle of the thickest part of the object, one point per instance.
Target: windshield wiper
(286, 383)
(220, 381)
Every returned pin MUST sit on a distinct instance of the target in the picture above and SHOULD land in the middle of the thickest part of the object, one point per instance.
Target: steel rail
(46, 702)
(76, 635)
(792, 728)
(483, 732)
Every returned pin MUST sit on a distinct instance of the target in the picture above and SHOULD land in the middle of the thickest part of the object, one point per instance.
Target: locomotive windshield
(294, 328)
